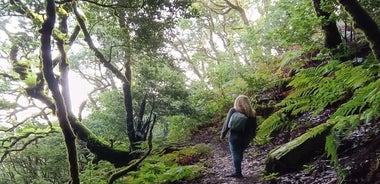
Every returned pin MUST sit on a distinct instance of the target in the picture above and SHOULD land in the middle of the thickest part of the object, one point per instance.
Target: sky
(79, 88)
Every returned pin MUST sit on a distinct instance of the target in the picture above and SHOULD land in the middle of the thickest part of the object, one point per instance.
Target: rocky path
(219, 161)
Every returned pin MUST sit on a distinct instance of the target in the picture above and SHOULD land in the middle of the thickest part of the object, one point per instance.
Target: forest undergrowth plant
(316, 89)
(353, 90)
(364, 107)
(172, 167)
(312, 91)
(180, 128)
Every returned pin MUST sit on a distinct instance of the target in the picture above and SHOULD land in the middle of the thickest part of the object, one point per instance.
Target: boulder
(293, 155)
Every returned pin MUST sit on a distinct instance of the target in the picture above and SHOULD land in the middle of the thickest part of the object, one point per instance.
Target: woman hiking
(241, 123)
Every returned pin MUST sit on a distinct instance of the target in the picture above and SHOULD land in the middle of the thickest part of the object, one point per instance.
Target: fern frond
(331, 147)
(297, 106)
(372, 92)
(273, 123)
(353, 76)
(346, 124)
(362, 99)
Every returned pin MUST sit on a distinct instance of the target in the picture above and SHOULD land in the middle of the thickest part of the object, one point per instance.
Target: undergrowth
(172, 167)
(182, 165)
(350, 88)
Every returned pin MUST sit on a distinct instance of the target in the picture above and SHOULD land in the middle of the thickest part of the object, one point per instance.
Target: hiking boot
(234, 175)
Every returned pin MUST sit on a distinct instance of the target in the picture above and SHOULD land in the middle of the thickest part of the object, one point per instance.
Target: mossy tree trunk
(364, 22)
(60, 103)
(332, 35)
(135, 135)
(52, 81)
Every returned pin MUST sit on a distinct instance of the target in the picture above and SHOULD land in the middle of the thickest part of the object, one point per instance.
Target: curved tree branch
(98, 54)
(240, 10)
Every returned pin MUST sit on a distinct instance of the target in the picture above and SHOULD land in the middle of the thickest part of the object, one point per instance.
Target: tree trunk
(102, 151)
(127, 84)
(129, 111)
(66, 118)
(332, 35)
(364, 22)
(46, 33)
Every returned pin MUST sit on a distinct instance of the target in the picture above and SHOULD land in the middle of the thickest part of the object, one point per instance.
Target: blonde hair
(243, 105)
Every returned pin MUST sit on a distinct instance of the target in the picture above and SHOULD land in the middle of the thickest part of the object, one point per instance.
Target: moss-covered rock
(294, 154)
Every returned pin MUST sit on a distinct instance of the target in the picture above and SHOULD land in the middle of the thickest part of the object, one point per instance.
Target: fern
(354, 88)
(353, 77)
(344, 125)
(365, 99)
(317, 88)
(278, 83)
(268, 126)
(362, 107)
(314, 89)
(331, 147)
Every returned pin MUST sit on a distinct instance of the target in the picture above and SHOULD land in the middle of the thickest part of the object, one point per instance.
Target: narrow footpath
(219, 161)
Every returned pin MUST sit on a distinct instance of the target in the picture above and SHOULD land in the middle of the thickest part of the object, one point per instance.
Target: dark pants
(237, 150)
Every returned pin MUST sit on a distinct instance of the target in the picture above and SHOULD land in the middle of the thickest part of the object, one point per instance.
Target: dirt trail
(220, 161)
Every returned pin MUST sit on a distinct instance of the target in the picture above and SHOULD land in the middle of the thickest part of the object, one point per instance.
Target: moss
(39, 19)
(62, 11)
(31, 79)
(294, 154)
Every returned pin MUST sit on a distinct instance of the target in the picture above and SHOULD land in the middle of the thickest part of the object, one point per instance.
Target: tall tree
(137, 42)
(139, 17)
(52, 82)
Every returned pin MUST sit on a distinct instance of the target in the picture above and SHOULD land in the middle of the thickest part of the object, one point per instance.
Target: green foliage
(138, 22)
(213, 98)
(96, 173)
(107, 120)
(163, 84)
(331, 147)
(294, 22)
(159, 173)
(31, 79)
(365, 101)
(273, 123)
(5, 104)
(44, 161)
(372, 7)
(270, 176)
(343, 126)
(315, 89)
(207, 103)
(172, 167)
(287, 24)
(180, 128)
(350, 88)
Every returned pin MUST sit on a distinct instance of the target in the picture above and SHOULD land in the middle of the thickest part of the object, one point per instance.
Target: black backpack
(249, 131)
